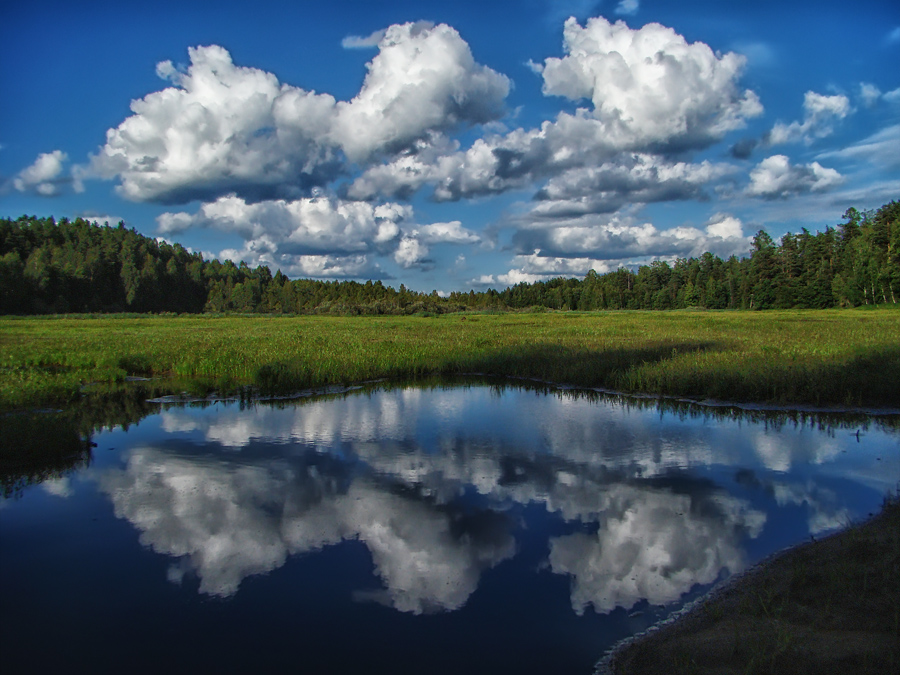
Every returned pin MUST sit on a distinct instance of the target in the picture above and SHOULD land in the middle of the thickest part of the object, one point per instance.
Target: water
(478, 527)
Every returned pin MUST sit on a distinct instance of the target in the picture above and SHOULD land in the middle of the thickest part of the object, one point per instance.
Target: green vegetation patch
(823, 358)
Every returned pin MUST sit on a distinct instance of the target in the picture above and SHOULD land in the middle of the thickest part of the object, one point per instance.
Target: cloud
(619, 239)
(628, 7)
(446, 233)
(359, 42)
(424, 78)
(45, 176)
(309, 225)
(538, 267)
(315, 236)
(776, 178)
(488, 167)
(632, 178)
(619, 71)
(820, 114)
(869, 94)
(622, 71)
(411, 252)
(893, 37)
(744, 148)
(226, 129)
(221, 128)
(320, 236)
(413, 249)
(880, 148)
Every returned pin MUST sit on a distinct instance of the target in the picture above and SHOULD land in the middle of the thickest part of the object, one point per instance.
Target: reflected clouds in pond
(534, 527)
(232, 521)
(385, 470)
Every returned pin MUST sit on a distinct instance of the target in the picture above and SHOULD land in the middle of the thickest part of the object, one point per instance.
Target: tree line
(78, 266)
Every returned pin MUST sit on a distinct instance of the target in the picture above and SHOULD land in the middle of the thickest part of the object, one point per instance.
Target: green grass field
(829, 357)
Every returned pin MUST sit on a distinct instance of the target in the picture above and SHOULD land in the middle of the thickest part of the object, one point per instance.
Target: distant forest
(76, 266)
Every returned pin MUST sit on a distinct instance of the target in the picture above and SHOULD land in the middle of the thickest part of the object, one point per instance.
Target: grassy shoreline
(825, 358)
(826, 606)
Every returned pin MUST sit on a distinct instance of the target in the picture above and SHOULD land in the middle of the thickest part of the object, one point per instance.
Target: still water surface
(476, 528)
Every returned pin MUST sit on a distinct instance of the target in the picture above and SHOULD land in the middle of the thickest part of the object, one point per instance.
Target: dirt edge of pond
(827, 606)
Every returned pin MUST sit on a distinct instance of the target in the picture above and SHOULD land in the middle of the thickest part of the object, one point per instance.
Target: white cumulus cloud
(776, 178)
(222, 128)
(650, 86)
(651, 92)
(423, 78)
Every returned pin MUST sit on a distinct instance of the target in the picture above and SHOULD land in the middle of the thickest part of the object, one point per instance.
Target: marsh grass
(849, 358)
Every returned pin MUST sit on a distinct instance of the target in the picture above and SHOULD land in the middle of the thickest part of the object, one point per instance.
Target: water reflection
(430, 481)
(229, 520)
(654, 545)
(39, 448)
(536, 526)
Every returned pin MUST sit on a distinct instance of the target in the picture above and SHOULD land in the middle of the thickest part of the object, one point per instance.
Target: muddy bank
(828, 606)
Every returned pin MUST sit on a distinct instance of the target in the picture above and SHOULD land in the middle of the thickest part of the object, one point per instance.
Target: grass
(830, 357)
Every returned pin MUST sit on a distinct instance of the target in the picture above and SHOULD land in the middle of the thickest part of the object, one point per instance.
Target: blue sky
(450, 146)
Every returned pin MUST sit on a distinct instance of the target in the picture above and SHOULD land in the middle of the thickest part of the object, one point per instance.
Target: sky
(450, 146)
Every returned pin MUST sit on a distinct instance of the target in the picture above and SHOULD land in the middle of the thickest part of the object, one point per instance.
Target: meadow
(819, 358)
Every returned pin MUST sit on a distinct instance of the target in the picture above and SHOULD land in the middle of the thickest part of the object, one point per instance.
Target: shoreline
(825, 605)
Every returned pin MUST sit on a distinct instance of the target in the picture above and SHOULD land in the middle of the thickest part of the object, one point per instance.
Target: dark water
(460, 529)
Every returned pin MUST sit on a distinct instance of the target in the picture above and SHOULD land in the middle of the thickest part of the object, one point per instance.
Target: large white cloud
(490, 166)
(314, 224)
(776, 178)
(650, 92)
(650, 87)
(222, 128)
(413, 249)
(424, 78)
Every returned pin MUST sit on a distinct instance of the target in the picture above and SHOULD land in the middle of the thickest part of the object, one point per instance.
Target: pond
(472, 526)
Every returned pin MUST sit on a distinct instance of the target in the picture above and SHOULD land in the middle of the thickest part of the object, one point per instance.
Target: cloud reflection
(228, 521)
(400, 470)
(653, 545)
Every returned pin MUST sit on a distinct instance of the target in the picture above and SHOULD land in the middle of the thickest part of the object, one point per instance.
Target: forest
(57, 267)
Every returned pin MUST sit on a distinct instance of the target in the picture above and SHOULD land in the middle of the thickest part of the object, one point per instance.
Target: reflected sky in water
(497, 526)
